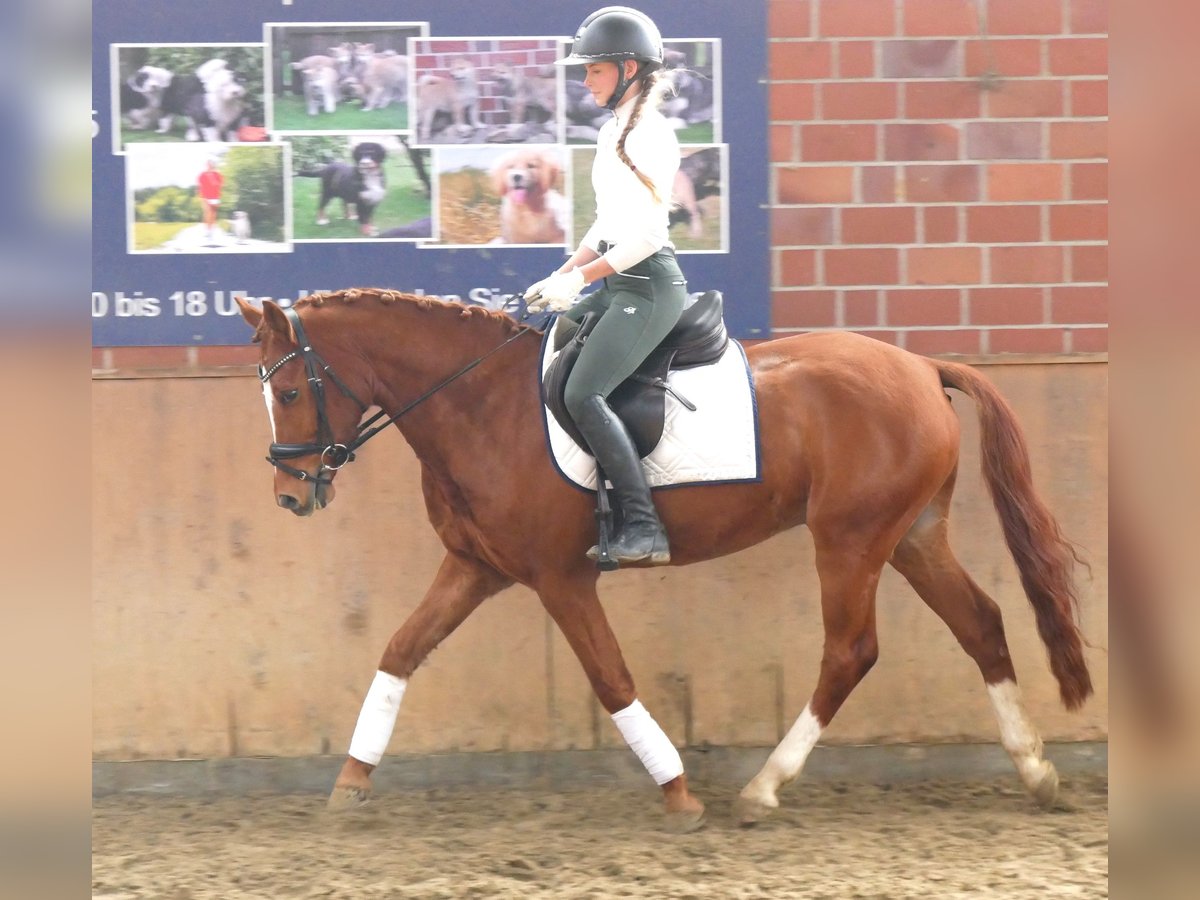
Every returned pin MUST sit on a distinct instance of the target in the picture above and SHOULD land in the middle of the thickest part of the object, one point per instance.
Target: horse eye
(289, 396)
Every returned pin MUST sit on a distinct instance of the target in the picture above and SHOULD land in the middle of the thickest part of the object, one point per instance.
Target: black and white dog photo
(359, 184)
(211, 100)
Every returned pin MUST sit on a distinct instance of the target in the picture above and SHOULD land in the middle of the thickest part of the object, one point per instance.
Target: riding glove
(558, 292)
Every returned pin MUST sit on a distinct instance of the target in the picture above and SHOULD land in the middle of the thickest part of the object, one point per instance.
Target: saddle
(640, 400)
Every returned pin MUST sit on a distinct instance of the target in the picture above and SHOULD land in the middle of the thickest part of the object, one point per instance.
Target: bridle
(334, 455)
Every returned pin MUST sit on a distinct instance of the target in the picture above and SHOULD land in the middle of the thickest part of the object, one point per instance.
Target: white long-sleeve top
(627, 215)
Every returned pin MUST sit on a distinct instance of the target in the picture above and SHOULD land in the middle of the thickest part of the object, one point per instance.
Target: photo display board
(272, 150)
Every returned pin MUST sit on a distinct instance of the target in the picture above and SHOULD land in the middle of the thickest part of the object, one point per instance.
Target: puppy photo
(358, 187)
(699, 178)
(359, 184)
(450, 102)
(187, 92)
(530, 97)
(532, 207)
(339, 76)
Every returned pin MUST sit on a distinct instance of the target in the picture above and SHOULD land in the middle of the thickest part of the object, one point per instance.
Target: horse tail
(1045, 559)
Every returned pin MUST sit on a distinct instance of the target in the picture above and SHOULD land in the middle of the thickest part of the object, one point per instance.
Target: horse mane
(388, 297)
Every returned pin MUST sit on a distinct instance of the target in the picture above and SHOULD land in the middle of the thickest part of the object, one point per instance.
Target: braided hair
(656, 83)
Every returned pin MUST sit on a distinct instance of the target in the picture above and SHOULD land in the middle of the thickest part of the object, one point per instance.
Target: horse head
(313, 428)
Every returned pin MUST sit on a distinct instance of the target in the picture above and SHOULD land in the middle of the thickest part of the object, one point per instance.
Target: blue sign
(263, 149)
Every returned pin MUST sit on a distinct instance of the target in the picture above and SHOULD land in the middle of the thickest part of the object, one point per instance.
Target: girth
(640, 400)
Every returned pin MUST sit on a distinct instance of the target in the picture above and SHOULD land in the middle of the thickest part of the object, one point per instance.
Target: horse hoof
(748, 812)
(684, 821)
(346, 797)
(1045, 792)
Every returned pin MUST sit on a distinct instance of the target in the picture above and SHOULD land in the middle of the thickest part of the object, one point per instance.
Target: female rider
(637, 157)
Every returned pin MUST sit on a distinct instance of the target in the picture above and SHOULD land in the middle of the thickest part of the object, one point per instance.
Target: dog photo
(187, 92)
(485, 91)
(208, 198)
(339, 77)
(691, 104)
(354, 187)
(501, 196)
(699, 215)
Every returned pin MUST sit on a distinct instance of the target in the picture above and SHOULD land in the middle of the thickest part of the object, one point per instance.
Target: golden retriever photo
(532, 208)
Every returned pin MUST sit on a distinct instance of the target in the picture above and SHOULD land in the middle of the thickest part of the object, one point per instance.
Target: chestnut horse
(858, 442)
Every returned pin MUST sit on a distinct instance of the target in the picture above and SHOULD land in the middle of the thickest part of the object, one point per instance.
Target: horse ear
(275, 320)
(252, 314)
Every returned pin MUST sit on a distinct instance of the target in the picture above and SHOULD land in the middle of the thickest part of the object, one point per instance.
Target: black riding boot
(641, 537)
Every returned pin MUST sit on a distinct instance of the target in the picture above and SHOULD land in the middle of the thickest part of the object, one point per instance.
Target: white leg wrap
(377, 718)
(651, 744)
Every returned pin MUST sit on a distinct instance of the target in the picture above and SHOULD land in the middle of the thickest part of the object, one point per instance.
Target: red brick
(879, 225)
(784, 146)
(1024, 17)
(1079, 222)
(797, 267)
(1088, 17)
(834, 143)
(222, 356)
(859, 100)
(878, 184)
(860, 309)
(855, 59)
(1079, 140)
(913, 141)
(803, 309)
(944, 265)
(1006, 58)
(941, 224)
(1004, 140)
(935, 18)
(1079, 56)
(1025, 181)
(801, 225)
(923, 307)
(1026, 265)
(962, 341)
(941, 184)
(1089, 263)
(941, 100)
(1089, 98)
(1073, 304)
(1088, 340)
(791, 102)
(815, 184)
(788, 18)
(1004, 224)
(1005, 306)
(880, 265)
(1026, 99)
(800, 59)
(1027, 340)
(856, 18)
(920, 59)
(1089, 181)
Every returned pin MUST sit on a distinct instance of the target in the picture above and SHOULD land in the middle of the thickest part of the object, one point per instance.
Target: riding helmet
(615, 34)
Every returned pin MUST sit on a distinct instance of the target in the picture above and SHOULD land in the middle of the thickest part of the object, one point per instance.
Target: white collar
(625, 108)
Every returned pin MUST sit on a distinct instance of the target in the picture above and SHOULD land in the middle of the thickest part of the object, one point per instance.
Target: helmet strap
(623, 85)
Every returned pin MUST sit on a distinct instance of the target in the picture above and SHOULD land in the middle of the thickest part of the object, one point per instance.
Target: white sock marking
(1017, 733)
(786, 760)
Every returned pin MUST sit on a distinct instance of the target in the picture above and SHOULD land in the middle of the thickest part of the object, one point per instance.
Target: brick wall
(939, 172)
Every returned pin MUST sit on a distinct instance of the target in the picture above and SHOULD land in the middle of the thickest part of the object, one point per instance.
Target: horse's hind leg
(576, 609)
(924, 557)
(849, 576)
(461, 584)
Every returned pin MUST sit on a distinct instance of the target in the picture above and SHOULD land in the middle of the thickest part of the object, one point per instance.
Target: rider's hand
(558, 292)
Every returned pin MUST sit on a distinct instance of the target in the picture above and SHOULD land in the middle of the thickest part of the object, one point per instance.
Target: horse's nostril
(287, 501)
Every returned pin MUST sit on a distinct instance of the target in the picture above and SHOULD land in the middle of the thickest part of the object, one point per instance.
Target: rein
(332, 454)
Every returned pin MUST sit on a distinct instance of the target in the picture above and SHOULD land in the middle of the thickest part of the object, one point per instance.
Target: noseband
(334, 455)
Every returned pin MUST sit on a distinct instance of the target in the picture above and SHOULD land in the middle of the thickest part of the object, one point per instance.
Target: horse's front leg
(462, 583)
(576, 610)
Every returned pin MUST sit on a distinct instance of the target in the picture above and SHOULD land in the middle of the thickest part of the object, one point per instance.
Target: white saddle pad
(716, 442)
